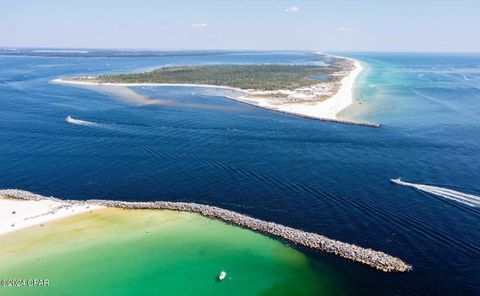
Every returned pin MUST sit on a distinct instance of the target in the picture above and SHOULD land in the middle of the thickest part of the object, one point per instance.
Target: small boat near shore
(222, 275)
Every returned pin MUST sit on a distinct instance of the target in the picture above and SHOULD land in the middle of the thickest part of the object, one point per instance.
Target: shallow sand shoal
(16, 214)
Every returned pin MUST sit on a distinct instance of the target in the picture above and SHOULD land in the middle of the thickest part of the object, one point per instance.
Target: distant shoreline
(326, 110)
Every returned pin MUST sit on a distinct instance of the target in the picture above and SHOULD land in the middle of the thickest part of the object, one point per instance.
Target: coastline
(17, 214)
(326, 110)
(369, 257)
(169, 251)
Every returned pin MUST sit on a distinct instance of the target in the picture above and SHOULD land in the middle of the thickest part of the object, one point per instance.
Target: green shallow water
(147, 252)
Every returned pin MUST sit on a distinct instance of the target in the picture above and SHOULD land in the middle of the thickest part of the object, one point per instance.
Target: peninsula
(312, 91)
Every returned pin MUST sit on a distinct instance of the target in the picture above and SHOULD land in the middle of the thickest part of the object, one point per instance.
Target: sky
(334, 25)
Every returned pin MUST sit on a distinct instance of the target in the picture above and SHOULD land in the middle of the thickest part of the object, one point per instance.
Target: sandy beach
(329, 108)
(16, 214)
(301, 101)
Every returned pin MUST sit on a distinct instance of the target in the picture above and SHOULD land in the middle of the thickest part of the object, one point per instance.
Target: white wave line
(72, 120)
(467, 199)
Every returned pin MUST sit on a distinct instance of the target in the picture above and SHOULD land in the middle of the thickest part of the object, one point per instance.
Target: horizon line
(230, 50)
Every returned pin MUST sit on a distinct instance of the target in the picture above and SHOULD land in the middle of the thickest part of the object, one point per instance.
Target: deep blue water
(322, 177)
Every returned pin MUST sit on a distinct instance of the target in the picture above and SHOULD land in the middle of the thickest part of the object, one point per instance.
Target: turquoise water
(321, 177)
(146, 252)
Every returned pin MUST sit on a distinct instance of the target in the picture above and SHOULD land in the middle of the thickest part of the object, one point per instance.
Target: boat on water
(396, 181)
(222, 275)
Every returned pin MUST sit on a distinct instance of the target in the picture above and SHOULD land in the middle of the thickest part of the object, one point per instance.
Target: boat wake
(72, 120)
(464, 198)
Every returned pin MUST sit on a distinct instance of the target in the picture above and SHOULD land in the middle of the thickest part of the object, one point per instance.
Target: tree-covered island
(251, 76)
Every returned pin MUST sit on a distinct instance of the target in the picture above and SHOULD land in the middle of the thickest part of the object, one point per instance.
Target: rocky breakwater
(375, 259)
(348, 122)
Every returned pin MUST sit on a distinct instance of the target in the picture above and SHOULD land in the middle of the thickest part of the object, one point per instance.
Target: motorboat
(222, 275)
(396, 181)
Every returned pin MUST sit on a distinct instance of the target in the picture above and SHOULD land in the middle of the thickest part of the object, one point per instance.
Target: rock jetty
(372, 258)
(343, 121)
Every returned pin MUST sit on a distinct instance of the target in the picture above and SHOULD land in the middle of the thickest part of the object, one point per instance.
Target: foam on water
(464, 198)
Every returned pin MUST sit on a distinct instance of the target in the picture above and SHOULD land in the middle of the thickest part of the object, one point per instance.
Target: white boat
(222, 275)
(397, 181)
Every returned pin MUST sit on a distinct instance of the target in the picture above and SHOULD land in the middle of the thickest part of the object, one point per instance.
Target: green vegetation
(257, 77)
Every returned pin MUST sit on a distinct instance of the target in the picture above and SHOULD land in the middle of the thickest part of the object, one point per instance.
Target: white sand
(329, 108)
(84, 82)
(16, 214)
(324, 109)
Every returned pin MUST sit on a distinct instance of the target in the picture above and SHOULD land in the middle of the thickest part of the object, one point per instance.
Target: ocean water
(322, 177)
(149, 252)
